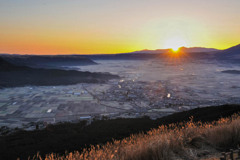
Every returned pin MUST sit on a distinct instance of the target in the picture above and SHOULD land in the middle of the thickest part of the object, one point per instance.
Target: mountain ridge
(47, 61)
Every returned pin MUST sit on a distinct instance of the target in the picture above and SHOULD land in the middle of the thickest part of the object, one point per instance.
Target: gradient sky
(115, 26)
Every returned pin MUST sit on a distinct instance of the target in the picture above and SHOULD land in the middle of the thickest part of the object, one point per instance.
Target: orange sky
(113, 26)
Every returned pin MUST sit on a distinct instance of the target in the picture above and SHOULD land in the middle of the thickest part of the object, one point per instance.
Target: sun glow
(175, 43)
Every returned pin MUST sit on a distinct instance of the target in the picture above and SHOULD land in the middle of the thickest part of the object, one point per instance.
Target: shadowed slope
(48, 61)
(14, 76)
(76, 136)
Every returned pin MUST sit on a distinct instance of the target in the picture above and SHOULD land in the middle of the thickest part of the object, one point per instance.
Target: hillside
(197, 49)
(235, 50)
(14, 76)
(76, 136)
(48, 61)
(4, 65)
(231, 54)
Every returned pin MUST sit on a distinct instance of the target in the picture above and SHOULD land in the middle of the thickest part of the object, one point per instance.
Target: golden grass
(176, 141)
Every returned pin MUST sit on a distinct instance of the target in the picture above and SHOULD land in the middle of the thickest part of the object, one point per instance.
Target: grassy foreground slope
(184, 141)
(77, 136)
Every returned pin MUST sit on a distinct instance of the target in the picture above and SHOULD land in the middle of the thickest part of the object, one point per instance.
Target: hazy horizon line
(115, 52)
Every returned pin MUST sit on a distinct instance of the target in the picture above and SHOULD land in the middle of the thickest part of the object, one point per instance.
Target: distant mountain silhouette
(198, 52)
(152, 51)
(197, 49)
(232, 53)
(182, 49)
(235, 50)
(58, 61)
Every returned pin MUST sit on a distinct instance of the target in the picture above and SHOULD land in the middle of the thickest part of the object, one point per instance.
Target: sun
(175, 43)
